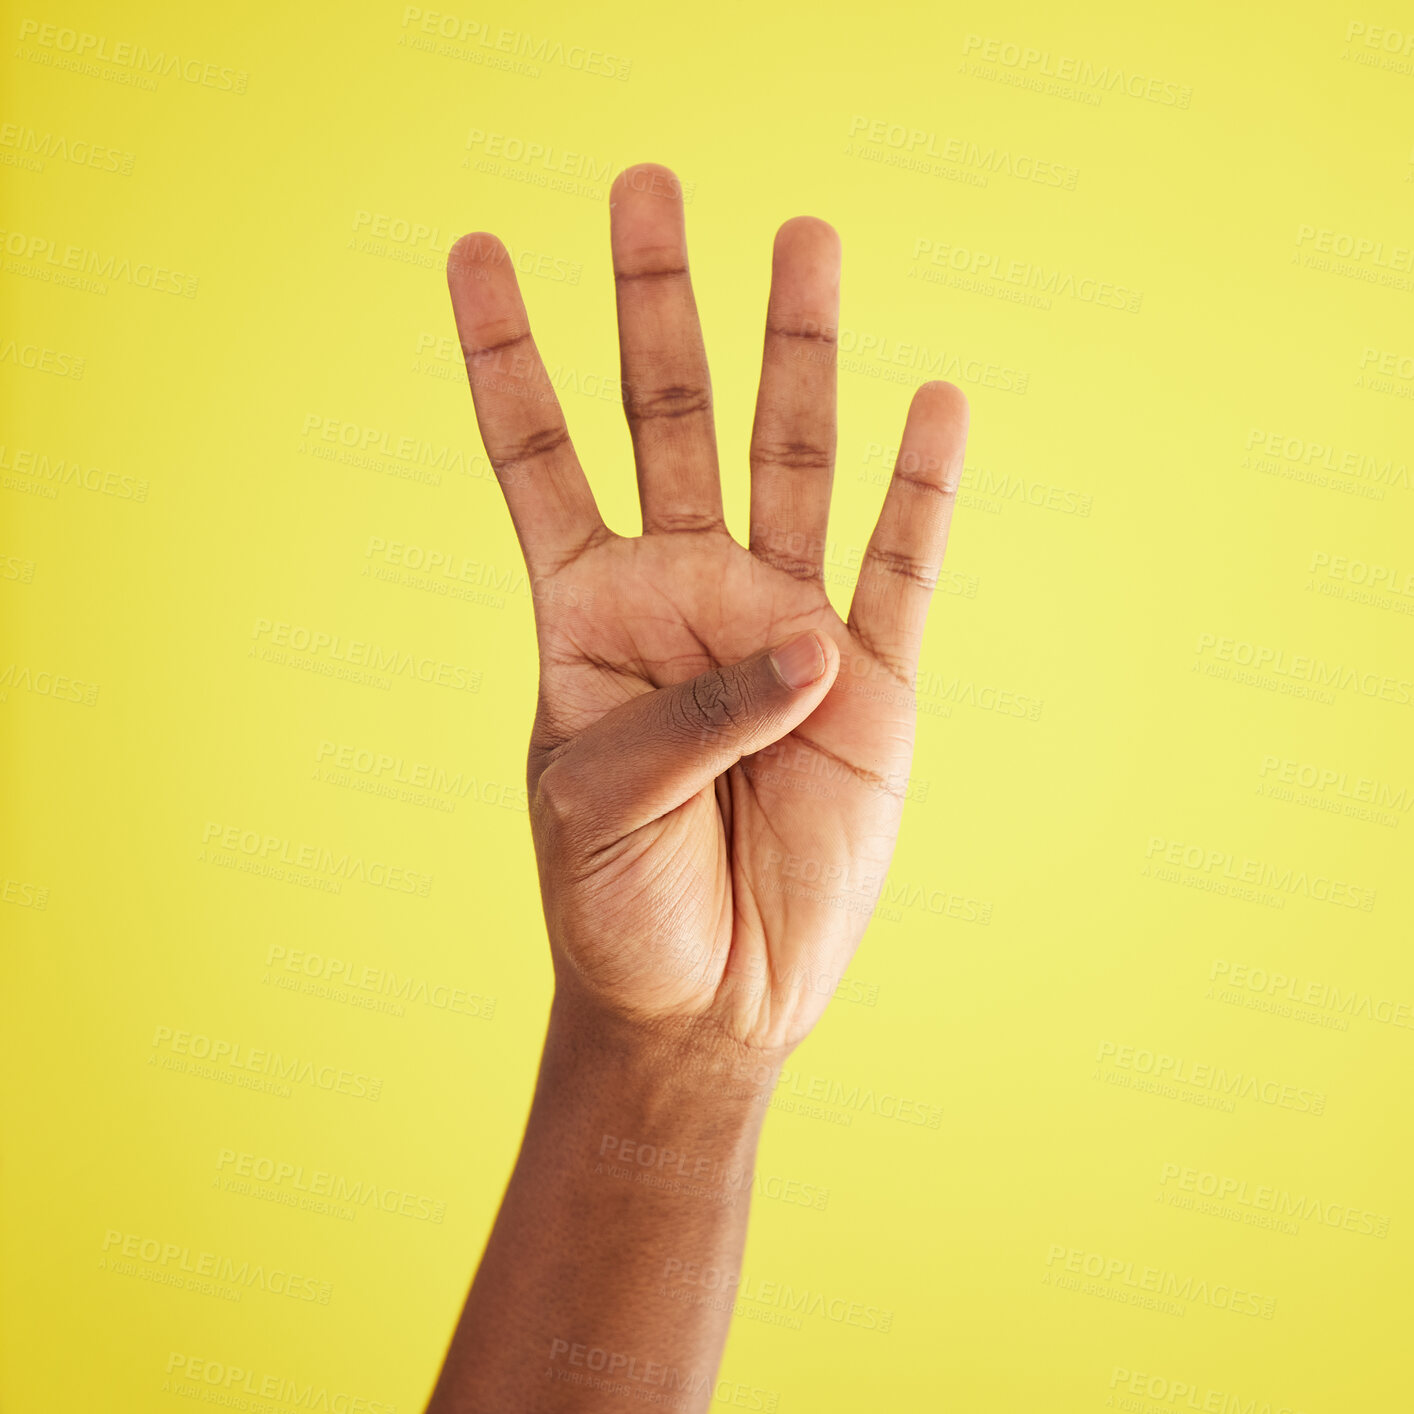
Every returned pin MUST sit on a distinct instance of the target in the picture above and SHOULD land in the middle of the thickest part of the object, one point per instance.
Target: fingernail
(799, 662)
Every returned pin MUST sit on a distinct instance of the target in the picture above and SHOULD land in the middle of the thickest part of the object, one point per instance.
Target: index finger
(551, 505)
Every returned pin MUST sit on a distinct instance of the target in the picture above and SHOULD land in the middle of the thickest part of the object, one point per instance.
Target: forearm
(610, 1272)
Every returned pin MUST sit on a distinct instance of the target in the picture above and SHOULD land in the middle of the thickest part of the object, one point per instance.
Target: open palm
(711, 839)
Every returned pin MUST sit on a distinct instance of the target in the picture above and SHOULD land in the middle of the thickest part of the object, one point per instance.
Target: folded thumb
(647, 757)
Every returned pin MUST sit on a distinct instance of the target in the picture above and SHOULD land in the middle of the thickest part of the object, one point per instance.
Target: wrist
(686, 1061)
(667, 1112)
(635, 1118)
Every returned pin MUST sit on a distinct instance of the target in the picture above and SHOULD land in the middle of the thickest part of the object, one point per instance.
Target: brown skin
(712, 828)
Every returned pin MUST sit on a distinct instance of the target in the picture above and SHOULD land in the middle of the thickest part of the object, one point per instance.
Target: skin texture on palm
(745, 903)
(725, 908)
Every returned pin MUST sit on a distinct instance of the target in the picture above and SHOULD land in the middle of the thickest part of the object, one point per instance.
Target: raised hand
(712, 820)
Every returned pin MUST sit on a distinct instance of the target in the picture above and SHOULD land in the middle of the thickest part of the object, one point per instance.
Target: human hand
(712, 829)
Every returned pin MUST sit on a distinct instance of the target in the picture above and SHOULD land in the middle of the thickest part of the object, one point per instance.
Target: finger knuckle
(668, 401)
(909, 568)
(557, 806)
(794, 454)
(715, 702)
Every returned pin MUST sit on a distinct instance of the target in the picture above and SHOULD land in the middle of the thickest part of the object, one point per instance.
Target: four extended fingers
(550, 501)
(793, 436)
(667, 399)
(667, 391)
(905, 552)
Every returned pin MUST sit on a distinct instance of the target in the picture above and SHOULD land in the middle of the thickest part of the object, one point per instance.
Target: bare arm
(610, 1272)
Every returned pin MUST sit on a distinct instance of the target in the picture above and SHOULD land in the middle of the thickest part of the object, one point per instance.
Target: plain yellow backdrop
(268, 669)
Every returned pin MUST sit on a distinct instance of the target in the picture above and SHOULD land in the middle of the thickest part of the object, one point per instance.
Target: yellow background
(1200, 548)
